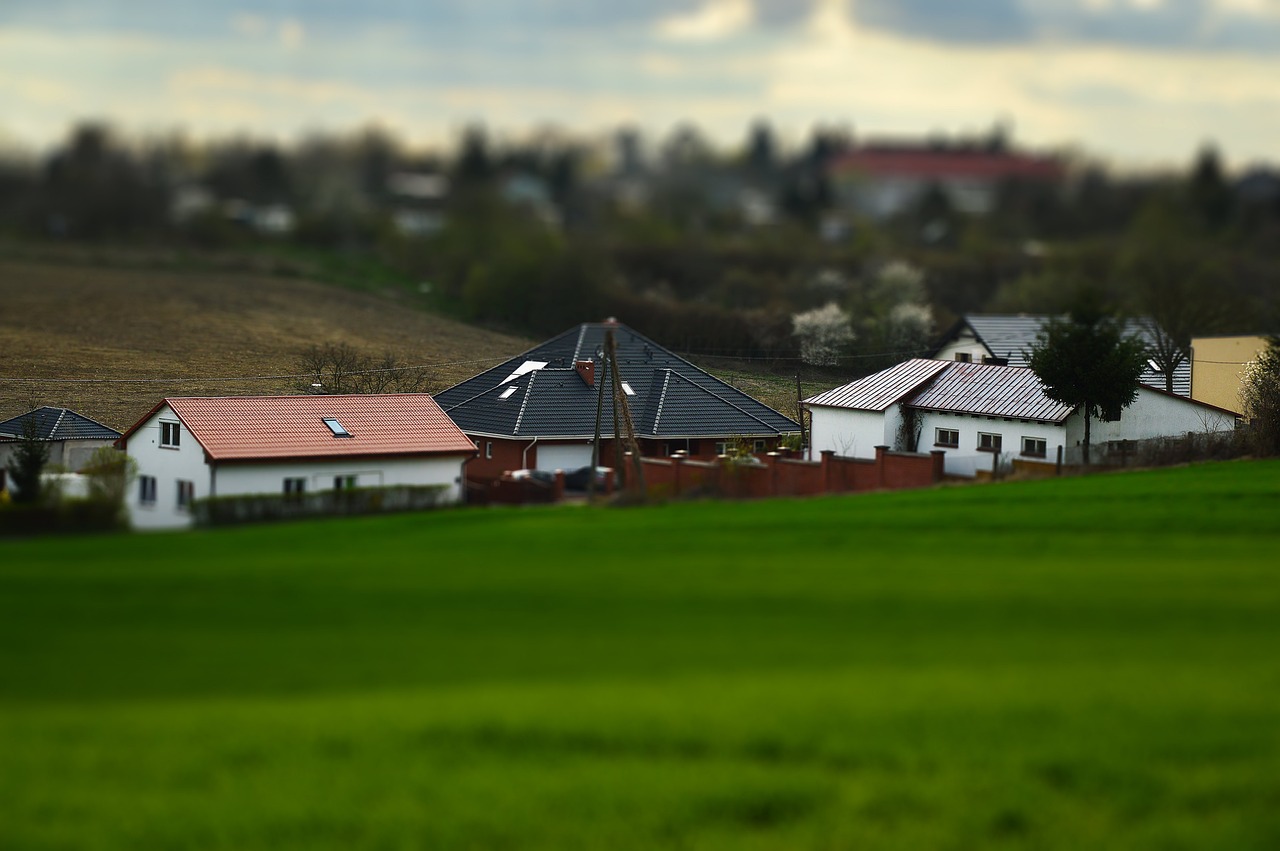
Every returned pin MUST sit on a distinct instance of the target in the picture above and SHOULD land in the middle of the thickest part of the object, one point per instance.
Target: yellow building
(1217, 366)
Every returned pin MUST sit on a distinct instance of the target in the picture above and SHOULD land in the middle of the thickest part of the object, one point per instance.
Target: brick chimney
(586, 371)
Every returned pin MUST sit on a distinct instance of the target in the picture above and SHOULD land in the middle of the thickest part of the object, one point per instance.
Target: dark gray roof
(1012, 337)
(672, 397)
(58, 424)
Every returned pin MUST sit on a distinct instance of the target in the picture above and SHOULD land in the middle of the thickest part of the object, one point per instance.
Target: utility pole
(627, 431)
(595, 444)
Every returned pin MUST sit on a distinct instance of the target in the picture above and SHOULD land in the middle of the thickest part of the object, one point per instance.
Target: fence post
(827, 465)
(880, 464)
(1058, 467)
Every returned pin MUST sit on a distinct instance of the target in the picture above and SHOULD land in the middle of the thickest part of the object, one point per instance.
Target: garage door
(563, 456)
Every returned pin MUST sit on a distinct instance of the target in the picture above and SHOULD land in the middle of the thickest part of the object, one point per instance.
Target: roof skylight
(508, 391)
(527, 366)
(626, 388)
(336, 427)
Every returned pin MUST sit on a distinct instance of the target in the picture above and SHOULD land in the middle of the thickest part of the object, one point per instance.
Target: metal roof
(672, 397)
(241, 428)
(877, 392)
(1013, 336)
(993, 391)
(57, 424)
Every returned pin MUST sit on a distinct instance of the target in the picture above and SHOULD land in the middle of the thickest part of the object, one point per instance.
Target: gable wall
(965, 343)
(1151, 415)
(168, 466)
(850, 433)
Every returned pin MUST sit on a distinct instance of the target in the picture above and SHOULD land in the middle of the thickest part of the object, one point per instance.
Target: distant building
(1217, 368)
(882, 180)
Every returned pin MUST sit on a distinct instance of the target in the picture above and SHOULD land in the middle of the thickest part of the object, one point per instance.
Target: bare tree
(341, 368)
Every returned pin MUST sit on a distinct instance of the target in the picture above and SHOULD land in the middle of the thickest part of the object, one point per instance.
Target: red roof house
(194, 447)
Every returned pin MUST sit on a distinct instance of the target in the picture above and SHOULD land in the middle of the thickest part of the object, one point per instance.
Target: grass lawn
(1083, 663)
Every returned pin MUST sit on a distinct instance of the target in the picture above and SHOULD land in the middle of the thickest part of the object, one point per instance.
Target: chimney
(586, 371)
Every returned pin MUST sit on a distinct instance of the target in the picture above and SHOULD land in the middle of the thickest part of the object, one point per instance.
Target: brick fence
(775, 475)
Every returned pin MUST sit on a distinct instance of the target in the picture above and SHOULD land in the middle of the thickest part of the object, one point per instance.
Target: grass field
(1080, 663)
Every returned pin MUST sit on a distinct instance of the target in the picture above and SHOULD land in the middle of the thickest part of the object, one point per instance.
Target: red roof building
(189, 448)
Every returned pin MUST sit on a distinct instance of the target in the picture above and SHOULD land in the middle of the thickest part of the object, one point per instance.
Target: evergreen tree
(1086, 362)
(28, 462)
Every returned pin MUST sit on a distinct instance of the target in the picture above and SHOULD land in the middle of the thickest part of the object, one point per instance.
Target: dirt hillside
(193, 330)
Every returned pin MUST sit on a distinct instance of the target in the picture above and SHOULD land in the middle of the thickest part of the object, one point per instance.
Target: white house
(194, 447)
(72, 439)
(980, 414)
(1008, 340)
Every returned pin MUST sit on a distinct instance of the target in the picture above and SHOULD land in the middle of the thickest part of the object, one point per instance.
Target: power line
(187, 379)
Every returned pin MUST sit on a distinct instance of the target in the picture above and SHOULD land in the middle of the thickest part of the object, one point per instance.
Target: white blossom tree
(824, 334)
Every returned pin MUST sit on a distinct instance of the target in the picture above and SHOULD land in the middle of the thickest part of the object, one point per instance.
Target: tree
(824, 334)
(1260, 395)
(28, 461)
(109, 474)
(1086, 362)
(340, 368)
(1176, 284)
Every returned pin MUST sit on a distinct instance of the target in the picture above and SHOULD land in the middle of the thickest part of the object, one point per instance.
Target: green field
(1073, 664)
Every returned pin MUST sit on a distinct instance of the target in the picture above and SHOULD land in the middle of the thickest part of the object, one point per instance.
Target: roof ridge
(740, 410)
(528, 391)
(62, 412)
(662, 398)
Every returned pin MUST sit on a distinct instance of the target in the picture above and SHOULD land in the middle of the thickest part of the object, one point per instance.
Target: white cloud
(717, 19)
(249, 25)
(292, 34)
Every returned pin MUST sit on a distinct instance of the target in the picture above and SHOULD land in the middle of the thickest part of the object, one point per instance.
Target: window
(488, 449)
(186, 493)
(344, 483)
(1034, 447)
(170, 434)
(1111, 415)
(507, 393)
(294, 488)
(988, 442)
(721, 447)
(964, 357)
(336, 427)
(626, 388)
(147, 490)
(946, 437)
(759, 446)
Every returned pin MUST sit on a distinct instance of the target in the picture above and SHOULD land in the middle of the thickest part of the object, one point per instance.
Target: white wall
(1153, 414)
(965, 343)
(966, 459)
(240, 478)
(854, 434)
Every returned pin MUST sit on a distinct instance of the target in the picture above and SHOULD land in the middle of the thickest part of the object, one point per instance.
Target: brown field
(80, 330)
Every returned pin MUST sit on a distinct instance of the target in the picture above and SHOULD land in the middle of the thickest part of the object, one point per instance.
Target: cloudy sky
(1139, 82)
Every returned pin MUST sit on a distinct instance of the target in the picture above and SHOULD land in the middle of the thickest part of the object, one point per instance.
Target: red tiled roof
(925, 163)
(232, 428)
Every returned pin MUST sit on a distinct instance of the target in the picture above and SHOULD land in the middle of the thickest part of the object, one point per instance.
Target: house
(881, 180)
(194, 447)
(72, 437)
(538, 409)
(1008, 340)
(1217, 368)
(976, 411)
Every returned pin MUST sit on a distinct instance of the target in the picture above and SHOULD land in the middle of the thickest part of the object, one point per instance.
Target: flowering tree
(1260, 394)
(824, 334)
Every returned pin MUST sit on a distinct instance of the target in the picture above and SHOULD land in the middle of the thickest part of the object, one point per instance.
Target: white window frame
(939, 432)
(170, 434)
(295, 486)
(488, 449)
(996, 442)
